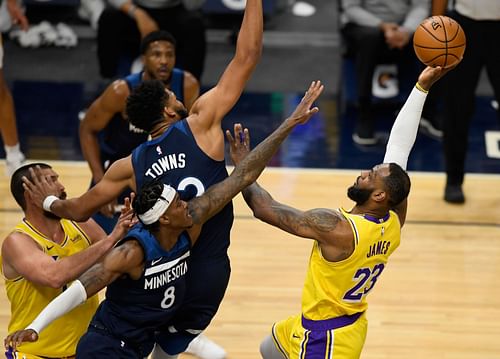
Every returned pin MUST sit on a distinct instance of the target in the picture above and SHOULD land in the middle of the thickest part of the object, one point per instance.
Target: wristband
(131, 10)
(47, 202)
(420, 88)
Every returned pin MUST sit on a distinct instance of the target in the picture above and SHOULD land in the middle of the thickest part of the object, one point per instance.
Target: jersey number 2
(366, 279)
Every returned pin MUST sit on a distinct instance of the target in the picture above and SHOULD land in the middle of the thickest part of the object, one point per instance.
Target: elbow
(254, 55)
(56, 284)
(81, 217)
(55, 281)
(259, 214)
(251, 56)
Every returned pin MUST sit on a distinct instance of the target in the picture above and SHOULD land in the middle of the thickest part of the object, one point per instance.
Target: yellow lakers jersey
(333, 289)
(27, 300)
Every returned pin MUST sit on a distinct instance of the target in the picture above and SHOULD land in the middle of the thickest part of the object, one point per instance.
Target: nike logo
(154, 261)
(295, 336)
(49, 248)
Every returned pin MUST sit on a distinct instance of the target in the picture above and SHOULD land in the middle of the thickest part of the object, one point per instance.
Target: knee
(268, 349)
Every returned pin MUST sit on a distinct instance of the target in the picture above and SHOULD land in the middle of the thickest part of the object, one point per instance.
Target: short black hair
(160, 35)
(16, 182)
(397, 183)
(146, 199)
(146, 104)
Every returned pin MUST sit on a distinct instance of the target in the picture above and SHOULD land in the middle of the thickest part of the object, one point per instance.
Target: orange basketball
(439, 41)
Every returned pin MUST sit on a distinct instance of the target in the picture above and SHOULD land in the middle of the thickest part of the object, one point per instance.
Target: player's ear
(379, 196)
(169, 113)
(164, 219)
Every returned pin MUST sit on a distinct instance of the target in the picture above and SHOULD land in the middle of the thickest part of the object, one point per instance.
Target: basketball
(439, 41)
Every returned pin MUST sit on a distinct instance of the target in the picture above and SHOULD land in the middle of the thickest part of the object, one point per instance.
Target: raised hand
(430, 75)
(40, 187)
(239, 146)
(15, 339)
(303, 111)
(126, 220)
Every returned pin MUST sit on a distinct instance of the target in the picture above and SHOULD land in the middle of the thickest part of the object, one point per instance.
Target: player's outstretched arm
(124, 259)
(97, 117)
(217, 102)
(23, 257)
(44, 193)
(247, 170)
(405, 128)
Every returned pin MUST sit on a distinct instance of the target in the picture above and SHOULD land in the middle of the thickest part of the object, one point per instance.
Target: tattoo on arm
(105, 272)
(316, 221)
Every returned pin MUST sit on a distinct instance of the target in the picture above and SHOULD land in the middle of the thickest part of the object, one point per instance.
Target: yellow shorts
(20, 355)
(323, 339)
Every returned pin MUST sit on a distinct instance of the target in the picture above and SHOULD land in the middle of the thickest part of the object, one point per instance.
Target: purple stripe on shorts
(329, 324)
(9, 353)
(316, 345)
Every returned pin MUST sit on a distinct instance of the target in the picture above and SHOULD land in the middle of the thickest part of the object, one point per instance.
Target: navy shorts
(97, 344)
(207, 280)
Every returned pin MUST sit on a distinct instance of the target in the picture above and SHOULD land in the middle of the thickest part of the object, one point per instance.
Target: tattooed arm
(125, 259)
(328, 227)
(248, 170)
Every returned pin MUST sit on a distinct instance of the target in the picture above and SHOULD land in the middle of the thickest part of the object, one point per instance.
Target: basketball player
(201, 135)
(351, 247)
(146, 273)
(105, 133)
(39, 257)
(14, 158)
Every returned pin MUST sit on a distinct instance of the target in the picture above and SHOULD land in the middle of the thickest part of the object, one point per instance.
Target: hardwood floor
(438, 298)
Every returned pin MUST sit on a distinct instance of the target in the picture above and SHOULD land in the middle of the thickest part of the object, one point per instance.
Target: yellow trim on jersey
(82, 232)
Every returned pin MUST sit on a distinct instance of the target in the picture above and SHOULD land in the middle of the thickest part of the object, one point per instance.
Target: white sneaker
(66, 37)
(204, 348)
(13, 162)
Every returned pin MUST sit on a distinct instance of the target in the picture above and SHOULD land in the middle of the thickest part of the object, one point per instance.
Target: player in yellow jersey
(39, 258)
(350, 249)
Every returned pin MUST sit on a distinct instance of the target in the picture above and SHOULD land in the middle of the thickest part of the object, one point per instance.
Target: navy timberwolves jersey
(133, 309)
(119, 137)
(176, 158)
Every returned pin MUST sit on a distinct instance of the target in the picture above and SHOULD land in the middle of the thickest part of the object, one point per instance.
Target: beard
(182, 112)
(51, 215)
(359, 195)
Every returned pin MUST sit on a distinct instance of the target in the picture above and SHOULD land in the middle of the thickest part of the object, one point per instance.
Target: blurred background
(52, 85)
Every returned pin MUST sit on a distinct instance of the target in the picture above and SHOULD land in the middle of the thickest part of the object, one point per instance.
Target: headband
(161, 205)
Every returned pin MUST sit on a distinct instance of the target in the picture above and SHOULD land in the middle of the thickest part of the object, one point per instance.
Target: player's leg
(159, 353)
(197, 345)
(279, 344)
(207, 281)
(268, 349)
(8, 128)
(97, 344)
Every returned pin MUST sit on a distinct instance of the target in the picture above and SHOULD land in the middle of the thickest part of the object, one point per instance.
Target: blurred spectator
(106, 135)
(122, 26)
(376, 30)
(480, 20)
(13, 155)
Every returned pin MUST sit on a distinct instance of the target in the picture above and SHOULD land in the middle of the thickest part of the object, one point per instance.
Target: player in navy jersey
(209, 279)
(105, 133)
(146, 273)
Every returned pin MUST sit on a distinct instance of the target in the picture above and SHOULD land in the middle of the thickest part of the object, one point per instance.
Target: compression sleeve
(62, 304)
(405, 128)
